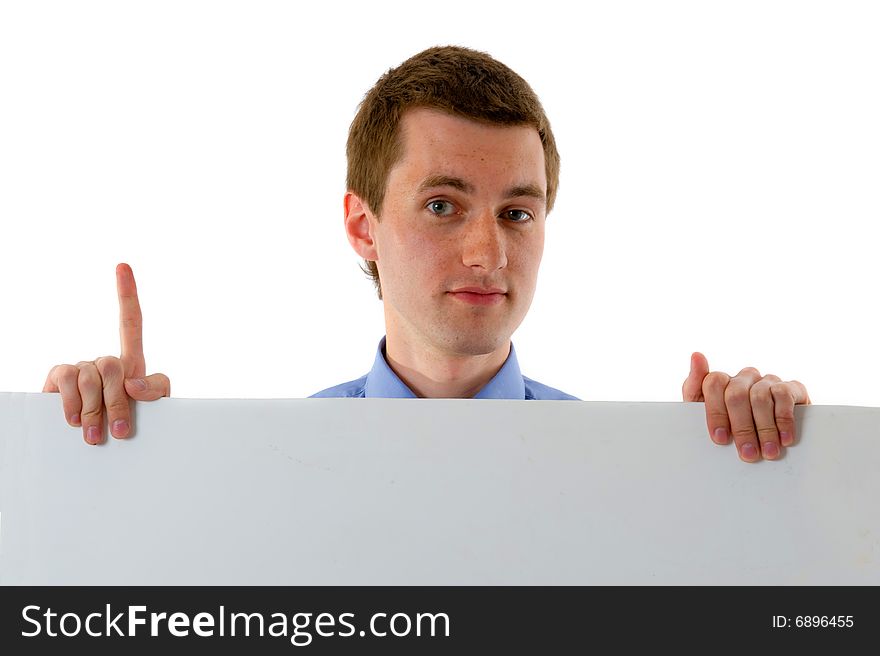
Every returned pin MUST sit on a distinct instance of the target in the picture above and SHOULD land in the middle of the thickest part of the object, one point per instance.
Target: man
(452, 170)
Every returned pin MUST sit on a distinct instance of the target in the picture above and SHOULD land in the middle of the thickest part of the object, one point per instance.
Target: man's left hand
(758, 411)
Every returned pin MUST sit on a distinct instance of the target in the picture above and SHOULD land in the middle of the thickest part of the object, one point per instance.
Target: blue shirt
(383, 383)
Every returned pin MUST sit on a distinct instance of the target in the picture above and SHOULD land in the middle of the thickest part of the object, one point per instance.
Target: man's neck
(432, 374)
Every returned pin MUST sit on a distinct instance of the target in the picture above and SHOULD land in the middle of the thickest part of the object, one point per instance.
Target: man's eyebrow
(445, 181)
(530, 190)
(432, 181)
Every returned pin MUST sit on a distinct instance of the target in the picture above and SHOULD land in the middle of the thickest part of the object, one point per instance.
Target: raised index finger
(130, 323)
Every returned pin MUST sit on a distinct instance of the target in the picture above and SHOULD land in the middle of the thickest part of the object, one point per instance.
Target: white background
(719, 188)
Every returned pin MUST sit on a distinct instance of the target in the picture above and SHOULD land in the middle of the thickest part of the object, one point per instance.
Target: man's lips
(479, 295)
(479, 290)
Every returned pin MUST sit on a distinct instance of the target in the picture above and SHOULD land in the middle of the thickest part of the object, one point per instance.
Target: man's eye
(519, 216)
(436, 207)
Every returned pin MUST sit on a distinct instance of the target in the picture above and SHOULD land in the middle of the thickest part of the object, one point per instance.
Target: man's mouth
(479, 295)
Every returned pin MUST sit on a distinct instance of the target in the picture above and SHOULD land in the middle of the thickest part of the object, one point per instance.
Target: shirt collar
(382, 382)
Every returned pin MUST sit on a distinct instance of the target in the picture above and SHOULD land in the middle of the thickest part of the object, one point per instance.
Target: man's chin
(469, 344)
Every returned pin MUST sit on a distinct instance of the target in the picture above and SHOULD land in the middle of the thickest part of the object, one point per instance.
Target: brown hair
(457, 80)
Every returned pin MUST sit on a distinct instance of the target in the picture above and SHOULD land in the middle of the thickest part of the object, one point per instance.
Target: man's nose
(483, 242)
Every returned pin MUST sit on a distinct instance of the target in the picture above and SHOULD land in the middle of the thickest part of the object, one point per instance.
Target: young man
(452, 170)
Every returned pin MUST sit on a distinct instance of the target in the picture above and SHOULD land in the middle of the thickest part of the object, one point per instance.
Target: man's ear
(359, 226)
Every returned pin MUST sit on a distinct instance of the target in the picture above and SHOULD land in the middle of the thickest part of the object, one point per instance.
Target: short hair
(457, 80)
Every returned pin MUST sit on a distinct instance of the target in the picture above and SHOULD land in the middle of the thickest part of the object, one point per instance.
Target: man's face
(461, 233)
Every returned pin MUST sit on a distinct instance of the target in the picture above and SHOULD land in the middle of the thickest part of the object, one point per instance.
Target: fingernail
(769, 449)
(721, 436)
(749, 452)
(120, 427)
(75, 420)
(138, 383)
(786, 438)
(93, 435)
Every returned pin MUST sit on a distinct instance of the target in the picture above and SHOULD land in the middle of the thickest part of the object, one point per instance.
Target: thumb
(148, 388)
(692, 389)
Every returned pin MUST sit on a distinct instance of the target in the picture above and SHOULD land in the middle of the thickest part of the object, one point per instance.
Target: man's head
(458, 81)
(452, 170)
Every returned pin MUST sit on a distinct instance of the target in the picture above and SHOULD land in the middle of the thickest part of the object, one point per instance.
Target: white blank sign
(388, 491)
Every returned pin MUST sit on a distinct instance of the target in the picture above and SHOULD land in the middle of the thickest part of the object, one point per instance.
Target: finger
(115, 398)
(63, 378)
(717, 420)
(130, 323)
(739, 409)
(785, 397)
(692, 389)
(764, 415)
(92, 393)
(148, 388)
(51, 385)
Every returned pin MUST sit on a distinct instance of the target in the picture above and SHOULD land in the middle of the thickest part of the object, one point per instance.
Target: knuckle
(782, 393)
(736, 395)
(88, 373)
(91, 413)
(770, 431)
(108, 365)
(746, 432)
(117, 407)
(715, 381)
(785, 416)
(749, 371)
(717, 418)
(66, 372)
(761, 394)
(89, 384)
(87, 367)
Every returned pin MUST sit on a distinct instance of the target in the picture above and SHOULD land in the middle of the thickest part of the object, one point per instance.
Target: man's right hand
(87, 388)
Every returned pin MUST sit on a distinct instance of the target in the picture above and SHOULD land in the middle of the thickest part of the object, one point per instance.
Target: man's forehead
(419, 118)
(448, 145)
